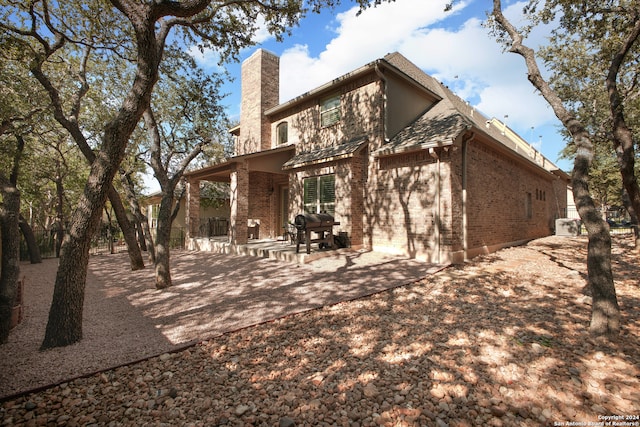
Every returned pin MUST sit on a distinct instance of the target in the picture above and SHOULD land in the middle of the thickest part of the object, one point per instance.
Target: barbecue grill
(321, 224)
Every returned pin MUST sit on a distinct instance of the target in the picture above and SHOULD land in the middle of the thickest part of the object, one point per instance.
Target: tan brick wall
(497, 189)
(405, 215)
(349, 194)
(361, 114)
(260, 91)
(264, 202)
(192, 214)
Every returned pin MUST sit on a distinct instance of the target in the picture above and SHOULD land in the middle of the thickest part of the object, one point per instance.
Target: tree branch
(156, 146)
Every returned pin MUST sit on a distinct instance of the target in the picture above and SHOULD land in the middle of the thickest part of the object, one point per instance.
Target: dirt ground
(126, 319)
(499, 341)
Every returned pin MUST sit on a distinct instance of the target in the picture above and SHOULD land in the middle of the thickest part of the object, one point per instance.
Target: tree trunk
(109, 232)
(64, 325)
(163, 237)
(605, 312)
(622, 134)
(151, 247)
(60, 229)
(10, 262)
(128, 231)
(30, 238)
(140, 235)
(141, 218)
(633, 216)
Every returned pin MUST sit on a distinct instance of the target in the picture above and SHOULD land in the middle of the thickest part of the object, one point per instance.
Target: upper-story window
(282, 133)
(330, 110)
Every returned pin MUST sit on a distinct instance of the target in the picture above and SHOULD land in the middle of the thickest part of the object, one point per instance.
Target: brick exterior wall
(192, 214)
(264, 207)
(409, 206)
(498, 194)
(361, 115)
(239, 192)
(260, 91)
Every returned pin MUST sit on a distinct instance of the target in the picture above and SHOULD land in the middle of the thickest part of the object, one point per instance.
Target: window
(330, 111)
(282, 133)
(320, 194)
(527, 206)
(154, 215)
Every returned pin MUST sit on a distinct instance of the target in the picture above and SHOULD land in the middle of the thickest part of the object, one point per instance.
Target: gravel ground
(499, 341)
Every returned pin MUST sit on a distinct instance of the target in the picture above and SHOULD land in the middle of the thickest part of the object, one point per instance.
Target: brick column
(239, 205)
(357, 201)
(192, 215)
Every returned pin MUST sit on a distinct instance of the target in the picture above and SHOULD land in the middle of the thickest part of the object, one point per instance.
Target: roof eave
(329, 86)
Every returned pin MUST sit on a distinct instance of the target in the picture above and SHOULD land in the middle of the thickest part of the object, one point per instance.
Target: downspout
(438, 218)
(384, 101)
(465, 234)
(436, 221)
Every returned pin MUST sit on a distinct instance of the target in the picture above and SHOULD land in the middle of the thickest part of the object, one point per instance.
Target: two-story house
(403, 164)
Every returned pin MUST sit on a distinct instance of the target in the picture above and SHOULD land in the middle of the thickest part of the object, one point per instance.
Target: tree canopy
(68, 47)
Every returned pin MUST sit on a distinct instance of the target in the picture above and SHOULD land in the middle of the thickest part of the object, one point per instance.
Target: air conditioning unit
(567, 227)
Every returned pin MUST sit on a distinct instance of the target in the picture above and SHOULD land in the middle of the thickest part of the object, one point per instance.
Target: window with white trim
(320, 194)
(282, 132)
(154, 215)
(330, 110)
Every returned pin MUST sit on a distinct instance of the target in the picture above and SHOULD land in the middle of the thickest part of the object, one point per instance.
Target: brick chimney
(260, 91)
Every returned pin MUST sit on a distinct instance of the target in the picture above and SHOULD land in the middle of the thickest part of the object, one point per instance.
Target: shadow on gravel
(500, 341)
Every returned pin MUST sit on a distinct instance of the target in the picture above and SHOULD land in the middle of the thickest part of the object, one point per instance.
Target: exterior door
(284, 208)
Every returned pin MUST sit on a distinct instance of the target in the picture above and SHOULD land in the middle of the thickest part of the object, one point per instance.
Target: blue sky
(451, 46)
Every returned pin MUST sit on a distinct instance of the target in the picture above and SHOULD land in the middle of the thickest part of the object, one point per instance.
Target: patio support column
(192, 214)
(239, 204)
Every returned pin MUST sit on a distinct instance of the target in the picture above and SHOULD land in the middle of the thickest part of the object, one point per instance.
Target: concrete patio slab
(126, 319)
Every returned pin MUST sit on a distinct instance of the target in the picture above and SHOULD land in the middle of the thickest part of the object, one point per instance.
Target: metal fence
(210, 227)
(108, 240)
(618, 224)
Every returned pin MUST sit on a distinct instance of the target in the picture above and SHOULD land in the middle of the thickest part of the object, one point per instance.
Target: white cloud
(359, 40)
(207, 58)
(466, 57)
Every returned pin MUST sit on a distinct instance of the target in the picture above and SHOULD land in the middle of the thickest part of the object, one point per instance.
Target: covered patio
(259, 199)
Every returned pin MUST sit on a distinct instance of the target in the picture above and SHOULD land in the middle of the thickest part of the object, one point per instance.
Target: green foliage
(579, 54)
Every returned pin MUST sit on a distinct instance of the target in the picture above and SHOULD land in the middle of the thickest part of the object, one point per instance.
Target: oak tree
(605, 316)
(99, 32)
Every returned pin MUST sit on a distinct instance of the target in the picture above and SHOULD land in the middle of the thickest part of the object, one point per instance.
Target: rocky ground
(500, 341)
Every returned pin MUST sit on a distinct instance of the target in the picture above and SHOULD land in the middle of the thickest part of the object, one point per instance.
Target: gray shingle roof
(439, 126)
(336, 152)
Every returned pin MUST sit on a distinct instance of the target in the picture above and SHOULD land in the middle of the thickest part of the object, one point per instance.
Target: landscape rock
(450, 350)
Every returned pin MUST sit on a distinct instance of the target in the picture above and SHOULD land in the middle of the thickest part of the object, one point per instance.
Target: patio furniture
(253, 229)
(290, 234)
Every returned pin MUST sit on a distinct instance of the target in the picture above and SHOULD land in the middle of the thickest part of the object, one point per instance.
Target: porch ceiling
(262, 161)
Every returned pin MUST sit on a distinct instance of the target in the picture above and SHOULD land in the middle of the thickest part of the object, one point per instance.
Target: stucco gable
(407, 67)
(440, 126)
